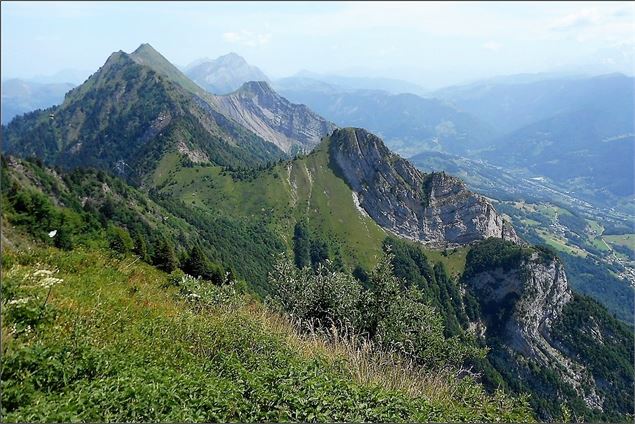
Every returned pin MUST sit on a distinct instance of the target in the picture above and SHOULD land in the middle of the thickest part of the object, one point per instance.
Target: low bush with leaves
(395, 318)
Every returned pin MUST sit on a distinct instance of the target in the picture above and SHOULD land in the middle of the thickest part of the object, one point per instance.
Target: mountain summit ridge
(291, 127)
(128, 115)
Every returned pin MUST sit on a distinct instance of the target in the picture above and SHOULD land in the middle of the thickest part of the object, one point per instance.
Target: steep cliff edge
(526, 307)
(436, 209)
(520, 303)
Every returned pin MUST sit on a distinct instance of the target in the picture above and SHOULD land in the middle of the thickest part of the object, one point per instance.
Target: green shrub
(328, 297)
(397, 319)
(119, 240)
(401, 320)
(198, 265)
(164, 256)
(495, 253)
(63, 239)
(201, 294)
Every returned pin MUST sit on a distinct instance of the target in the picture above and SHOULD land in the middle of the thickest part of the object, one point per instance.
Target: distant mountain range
(391, 85)
(20, 96)
(513, 103)
(224, 74)
(575, 130)
(409, 123)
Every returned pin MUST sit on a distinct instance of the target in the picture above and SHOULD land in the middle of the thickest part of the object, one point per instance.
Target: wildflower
(19, 301)
(42, 273)
(49, 282)
(52, 233)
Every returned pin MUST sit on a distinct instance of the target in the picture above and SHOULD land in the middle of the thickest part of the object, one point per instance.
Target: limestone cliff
(521, 301)
(436, 209)
(289, 126)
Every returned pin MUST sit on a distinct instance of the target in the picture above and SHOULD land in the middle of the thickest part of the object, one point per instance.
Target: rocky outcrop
(289, 126)
(520, 304)
(534, 294)
(436, 209)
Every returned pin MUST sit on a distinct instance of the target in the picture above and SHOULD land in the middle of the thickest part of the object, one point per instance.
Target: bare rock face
(436, 209)
(521, 305)
(289, 126)
(535, 293)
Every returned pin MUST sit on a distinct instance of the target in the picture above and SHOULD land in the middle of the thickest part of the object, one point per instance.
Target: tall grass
(358, 357)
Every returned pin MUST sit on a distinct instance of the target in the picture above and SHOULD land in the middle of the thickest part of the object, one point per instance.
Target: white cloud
(609, 24)
(492, 45)
(247, 38)
(579, 19)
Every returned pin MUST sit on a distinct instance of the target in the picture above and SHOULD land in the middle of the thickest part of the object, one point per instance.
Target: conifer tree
(301, 245)
(197, 264)
(164, 256)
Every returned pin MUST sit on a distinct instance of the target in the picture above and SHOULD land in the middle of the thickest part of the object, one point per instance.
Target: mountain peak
(360, 142)
(259, 88)
(258, 107)
(145, 48)
(231, 57)
(147, 55)
(225, 74)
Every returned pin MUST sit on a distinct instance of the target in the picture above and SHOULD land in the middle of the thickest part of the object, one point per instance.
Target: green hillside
(163, 263)
(305, 188)
(242, 219)
(127, 116)
(92, 332)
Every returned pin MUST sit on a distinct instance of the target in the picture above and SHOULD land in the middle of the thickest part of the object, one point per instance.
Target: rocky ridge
(259, 108)
(133, 111)
(436, 209)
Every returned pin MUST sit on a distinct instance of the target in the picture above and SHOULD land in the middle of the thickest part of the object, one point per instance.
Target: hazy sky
(428, 43)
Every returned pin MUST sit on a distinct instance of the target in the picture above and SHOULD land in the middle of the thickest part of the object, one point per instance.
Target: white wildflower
(19, 301)
(52, 233)
(43, 273)
(49, 282)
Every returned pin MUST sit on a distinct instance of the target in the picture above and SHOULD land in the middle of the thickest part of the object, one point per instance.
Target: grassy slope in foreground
(115, 342)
